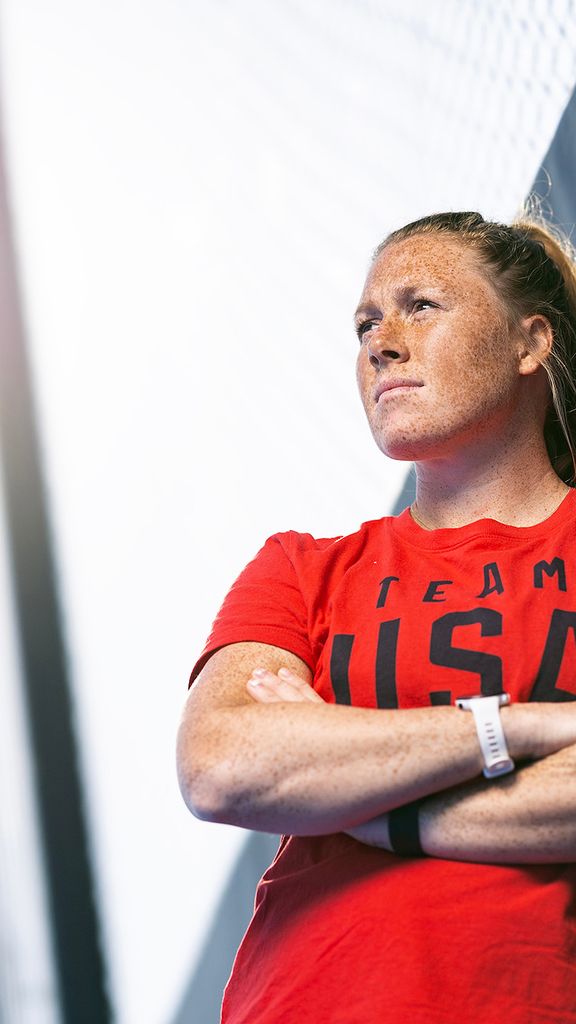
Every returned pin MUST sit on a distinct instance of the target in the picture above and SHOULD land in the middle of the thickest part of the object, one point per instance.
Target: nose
(382, 348)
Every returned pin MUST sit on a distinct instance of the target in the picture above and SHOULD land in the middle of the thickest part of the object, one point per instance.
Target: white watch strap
(486, 711)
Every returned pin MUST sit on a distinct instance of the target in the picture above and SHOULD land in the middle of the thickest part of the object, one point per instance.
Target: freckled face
(429, 317)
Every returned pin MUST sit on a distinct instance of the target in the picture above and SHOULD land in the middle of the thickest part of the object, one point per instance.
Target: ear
(535, 342)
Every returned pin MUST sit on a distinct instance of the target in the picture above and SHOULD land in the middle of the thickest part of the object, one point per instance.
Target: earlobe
(537, 338)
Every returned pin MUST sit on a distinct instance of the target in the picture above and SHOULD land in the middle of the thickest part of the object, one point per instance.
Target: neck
(519, 490)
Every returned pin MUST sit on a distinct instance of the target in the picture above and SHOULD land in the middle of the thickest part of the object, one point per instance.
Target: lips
(397, 382)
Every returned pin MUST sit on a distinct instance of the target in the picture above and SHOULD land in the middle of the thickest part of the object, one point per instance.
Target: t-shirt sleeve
(265, 605)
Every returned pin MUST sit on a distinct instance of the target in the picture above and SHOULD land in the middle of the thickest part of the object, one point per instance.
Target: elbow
(216, 783)
(201, 789)
(213, 796)
(198, 788)
(197, 793)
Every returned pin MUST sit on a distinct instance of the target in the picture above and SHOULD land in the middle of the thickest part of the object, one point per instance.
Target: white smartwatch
(486, 711)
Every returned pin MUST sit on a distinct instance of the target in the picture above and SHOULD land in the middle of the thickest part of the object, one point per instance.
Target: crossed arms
(275, 757)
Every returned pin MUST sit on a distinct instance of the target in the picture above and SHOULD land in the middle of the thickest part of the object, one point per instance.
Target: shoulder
(305, 551)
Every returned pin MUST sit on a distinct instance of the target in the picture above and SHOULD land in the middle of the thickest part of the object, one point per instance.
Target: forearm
(292, 763)
(311, 769)
(528, 817)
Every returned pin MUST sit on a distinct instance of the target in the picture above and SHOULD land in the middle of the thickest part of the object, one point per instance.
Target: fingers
(268, 688)
(299, 685)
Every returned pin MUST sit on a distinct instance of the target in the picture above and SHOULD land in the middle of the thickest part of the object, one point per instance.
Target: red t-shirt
(397, 616)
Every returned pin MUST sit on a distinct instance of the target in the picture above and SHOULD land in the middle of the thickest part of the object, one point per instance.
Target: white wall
(197, 187)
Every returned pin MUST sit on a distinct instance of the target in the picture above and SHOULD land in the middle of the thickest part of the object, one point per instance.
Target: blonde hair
(532, 267)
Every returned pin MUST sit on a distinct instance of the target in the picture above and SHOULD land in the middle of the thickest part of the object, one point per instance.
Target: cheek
(475, 370)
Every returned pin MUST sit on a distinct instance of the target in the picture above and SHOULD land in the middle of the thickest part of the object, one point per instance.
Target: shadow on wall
(554, 182)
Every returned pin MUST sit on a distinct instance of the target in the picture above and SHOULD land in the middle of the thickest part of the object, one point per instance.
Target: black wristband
(404, 831)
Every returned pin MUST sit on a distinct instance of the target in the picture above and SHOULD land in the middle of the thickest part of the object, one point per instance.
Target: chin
(410, 449)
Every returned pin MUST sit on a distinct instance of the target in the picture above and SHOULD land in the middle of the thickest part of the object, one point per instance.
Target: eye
(419, 304)
(364, 327)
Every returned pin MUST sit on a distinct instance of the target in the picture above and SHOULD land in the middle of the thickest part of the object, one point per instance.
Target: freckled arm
(528, 817)
(274, 756)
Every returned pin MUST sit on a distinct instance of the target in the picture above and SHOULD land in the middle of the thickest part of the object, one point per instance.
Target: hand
(267, 688)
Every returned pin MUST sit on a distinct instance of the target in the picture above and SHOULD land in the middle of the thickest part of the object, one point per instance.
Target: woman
(426, 870)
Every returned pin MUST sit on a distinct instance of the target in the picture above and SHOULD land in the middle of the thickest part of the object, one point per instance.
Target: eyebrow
(366, 310)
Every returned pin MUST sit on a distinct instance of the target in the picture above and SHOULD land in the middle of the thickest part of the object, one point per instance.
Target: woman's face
(429, 320)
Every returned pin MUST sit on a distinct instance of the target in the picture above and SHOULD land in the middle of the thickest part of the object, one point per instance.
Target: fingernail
(285, 673)
(259, 672)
